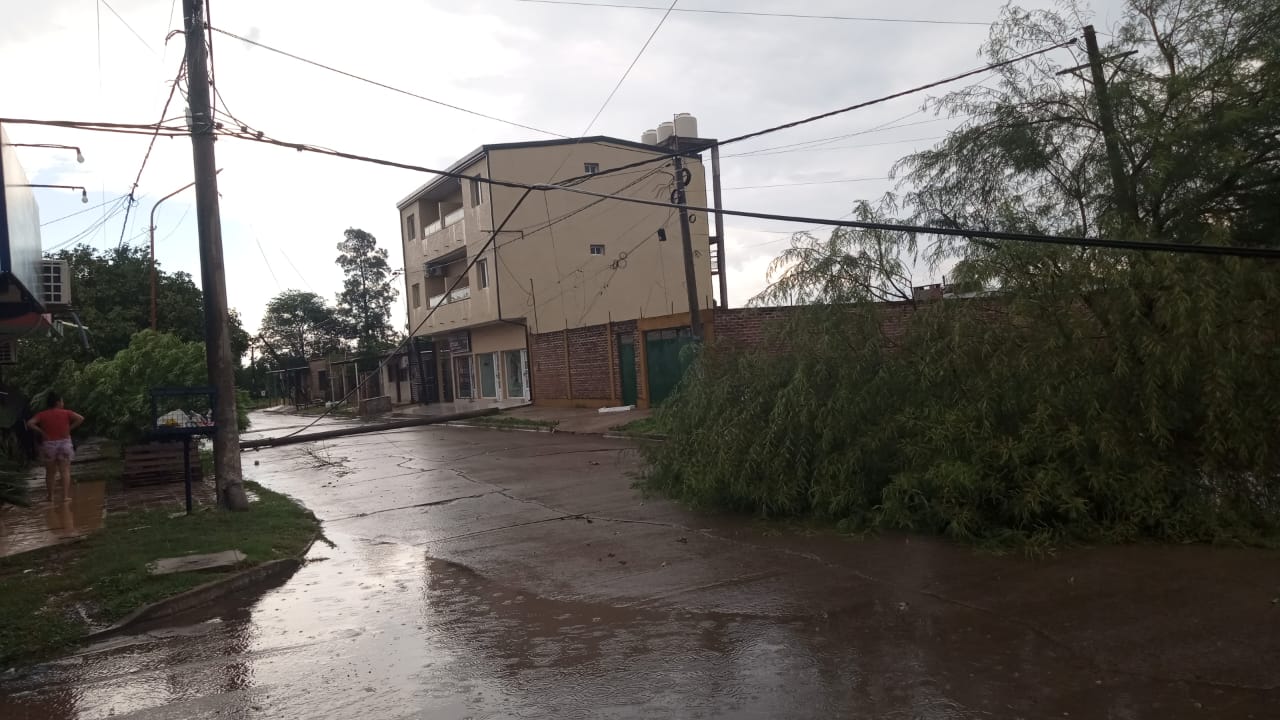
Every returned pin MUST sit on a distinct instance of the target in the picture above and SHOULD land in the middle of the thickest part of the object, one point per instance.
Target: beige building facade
(562, 261)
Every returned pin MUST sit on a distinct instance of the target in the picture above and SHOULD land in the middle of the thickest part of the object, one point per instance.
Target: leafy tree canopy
(298, 326)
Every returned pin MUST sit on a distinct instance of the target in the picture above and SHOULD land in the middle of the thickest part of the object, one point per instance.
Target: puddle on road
(379, 630)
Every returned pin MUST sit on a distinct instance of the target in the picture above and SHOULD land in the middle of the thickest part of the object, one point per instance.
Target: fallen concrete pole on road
(363, 429)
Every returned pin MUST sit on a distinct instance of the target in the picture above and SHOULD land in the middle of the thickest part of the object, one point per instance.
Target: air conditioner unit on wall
(8, 351)
(435, 271)
(55, 283)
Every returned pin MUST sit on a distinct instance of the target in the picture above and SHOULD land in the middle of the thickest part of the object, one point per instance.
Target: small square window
(482, 273)
(597, 249)
(591, 168)
(411, 227)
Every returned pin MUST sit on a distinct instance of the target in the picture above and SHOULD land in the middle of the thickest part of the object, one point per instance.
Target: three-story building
(562, 261)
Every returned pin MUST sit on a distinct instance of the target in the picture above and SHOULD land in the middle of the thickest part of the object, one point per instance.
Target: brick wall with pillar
(581, 367)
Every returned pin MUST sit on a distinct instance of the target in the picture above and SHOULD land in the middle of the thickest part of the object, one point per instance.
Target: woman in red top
(56, 424)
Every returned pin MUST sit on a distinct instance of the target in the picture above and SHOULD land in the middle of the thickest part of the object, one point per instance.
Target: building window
(417, 295)
(410, 227)
(591, 168)
(476, 195)
(597, 249)
(482, 273)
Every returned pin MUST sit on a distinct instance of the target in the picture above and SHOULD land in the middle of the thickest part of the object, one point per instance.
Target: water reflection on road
(467, 580)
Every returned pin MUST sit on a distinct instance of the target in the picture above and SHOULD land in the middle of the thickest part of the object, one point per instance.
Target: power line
(815, 182)
(815, 143)
(832, 148)
(382, 85)
(150, 145)
(614, 91)
(634, 60)
(267, 262)
(301, 277)
(813, 118)
(145, 44)
(920, 229)
(94, 226)
(762, 14)
(148, 129)
(903, 93)
(1223, 250)
(81, 212)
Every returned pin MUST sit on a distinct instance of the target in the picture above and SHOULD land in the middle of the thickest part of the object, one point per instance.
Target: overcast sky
(543, 65)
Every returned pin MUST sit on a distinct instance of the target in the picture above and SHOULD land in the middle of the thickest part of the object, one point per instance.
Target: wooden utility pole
(1106, 118)
(686, 239)
(217, 338)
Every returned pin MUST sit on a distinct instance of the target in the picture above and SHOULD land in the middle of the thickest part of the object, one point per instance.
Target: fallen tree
(1085, 393)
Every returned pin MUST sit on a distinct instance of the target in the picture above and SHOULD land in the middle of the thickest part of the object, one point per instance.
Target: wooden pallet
(158, 462)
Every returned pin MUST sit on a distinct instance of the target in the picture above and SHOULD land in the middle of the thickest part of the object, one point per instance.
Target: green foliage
(114, 395)
(111, 290)
(1075, 393)
(364, 305)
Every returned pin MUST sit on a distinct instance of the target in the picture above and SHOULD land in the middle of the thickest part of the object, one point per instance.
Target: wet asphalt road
(486, 574)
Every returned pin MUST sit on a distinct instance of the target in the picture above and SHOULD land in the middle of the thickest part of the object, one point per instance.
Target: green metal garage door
(662, 358)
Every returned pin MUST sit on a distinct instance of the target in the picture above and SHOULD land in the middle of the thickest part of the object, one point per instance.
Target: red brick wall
(593, 374)
(589, 368)
(547, 366)
(749, 327)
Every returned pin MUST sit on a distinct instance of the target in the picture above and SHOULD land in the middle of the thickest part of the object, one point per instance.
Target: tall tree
(364, 304)
(298, 326)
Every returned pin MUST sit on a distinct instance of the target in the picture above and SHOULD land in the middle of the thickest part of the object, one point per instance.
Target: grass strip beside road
(54, 597)
(646, 426)
(510, 422)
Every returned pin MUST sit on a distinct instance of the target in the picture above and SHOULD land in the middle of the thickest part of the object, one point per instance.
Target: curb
(207, 593)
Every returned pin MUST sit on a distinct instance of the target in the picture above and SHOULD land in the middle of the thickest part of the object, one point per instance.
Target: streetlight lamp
(152, 231)
(84, 194)
(79, 155)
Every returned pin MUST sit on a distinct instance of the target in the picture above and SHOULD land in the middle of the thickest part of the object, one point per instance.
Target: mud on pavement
(478, 573)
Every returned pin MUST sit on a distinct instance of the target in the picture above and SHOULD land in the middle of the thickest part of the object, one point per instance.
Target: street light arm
(151, 228)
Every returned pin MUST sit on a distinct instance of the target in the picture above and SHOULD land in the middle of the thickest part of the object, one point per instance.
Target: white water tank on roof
(686, 125)
(649, 137)
(665, 131)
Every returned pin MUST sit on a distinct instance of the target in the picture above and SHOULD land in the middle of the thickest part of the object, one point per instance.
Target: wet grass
(51, 598)
(648, 426)
(510, 422)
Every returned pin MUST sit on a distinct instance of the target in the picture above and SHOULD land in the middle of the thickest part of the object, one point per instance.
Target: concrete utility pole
(217, 336)
(1119, 179)
(690, 272)
(717, 203)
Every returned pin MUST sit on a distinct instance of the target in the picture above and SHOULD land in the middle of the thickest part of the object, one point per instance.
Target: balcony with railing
(445, 235)
(457, 294)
